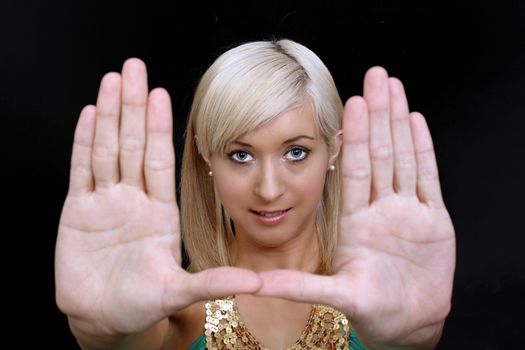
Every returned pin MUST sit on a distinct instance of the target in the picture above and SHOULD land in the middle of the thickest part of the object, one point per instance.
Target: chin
(269, 238)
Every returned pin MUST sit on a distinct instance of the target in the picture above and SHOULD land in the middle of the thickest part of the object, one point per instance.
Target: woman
(300, 234)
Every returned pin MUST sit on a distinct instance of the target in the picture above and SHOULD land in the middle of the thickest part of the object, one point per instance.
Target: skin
(275, 174)
(119, 228)
(264, 171)
(396, 251)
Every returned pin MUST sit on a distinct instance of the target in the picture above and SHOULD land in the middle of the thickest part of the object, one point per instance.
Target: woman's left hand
(395, 260)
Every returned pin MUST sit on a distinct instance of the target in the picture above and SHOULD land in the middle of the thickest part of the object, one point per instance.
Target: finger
(159, 163)
(133, 124)
(219, 282)
(428, 187)
(356, 169)
(376, 94)
(404, 157)
(304, 287)
(105, 146)
(81, 176)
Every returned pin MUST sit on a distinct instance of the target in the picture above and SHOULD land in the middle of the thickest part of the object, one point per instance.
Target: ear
(336, 148)
(206, 160)
(198, 151)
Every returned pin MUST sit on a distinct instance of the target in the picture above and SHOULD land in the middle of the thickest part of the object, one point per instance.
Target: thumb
(212, 284)
(306, 287)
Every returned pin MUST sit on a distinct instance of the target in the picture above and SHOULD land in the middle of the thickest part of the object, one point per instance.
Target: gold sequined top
(327, 328)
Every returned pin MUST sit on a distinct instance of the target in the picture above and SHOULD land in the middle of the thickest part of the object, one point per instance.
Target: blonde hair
(244, 88)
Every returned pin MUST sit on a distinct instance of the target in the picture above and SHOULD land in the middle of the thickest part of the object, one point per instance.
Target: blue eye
(240, 156)
(297, 154)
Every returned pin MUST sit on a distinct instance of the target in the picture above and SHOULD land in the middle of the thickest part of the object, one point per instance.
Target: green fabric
(355, 344)
(199, 344)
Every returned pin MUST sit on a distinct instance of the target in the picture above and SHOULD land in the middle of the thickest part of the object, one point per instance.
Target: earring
(332, 167)
(210, 173)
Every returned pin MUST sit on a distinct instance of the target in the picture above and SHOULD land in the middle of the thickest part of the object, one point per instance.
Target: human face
(271, 179)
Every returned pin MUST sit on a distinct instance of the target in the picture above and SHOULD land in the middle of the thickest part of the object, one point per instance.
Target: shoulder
(185, 327)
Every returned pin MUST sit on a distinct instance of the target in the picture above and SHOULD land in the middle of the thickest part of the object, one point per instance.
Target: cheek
(309, 186)
(233, 190)
(303, 186)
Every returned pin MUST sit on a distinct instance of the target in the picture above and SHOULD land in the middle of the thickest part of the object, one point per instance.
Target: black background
(463, 65)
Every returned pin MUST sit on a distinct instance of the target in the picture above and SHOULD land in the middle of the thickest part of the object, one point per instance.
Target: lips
(272, 213)
(271, 217)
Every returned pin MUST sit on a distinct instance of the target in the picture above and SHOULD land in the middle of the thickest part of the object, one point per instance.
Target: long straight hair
(244, 88)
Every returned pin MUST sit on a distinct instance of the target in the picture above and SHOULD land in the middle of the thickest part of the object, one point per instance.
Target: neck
(299, 253)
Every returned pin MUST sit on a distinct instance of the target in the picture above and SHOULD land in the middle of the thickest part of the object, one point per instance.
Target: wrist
(92, 337)
(425, 338)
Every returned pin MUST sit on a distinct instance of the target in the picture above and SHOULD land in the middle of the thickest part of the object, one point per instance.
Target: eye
(240, 156)
(297, 154)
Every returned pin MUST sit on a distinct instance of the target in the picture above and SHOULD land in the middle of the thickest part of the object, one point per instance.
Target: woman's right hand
(117, 262)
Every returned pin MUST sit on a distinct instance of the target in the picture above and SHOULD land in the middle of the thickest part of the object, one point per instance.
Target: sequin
(327, 328)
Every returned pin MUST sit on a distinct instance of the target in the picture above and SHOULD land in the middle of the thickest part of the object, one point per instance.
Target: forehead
(294, 122)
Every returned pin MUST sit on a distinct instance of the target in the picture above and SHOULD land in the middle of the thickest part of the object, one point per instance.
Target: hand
(395, 258)
(117, 260)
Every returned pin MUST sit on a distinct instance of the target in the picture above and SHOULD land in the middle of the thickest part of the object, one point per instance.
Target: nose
(269, 185)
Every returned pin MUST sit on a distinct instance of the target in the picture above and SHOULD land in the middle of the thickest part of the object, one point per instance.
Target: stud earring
(332, 167)
(210, 173)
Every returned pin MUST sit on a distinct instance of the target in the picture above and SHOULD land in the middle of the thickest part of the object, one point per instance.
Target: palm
(111, 243)
(395, 258)
(397, 255)
(117, 260)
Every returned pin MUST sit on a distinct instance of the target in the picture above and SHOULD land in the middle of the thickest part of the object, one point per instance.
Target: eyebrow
(290, 140)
